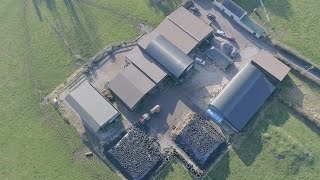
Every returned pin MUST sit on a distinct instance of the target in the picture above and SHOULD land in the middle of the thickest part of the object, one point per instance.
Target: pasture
(39, 40)
(292, 22)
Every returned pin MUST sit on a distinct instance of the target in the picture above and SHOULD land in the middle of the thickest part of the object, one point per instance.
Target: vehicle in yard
(147, 116)
(211, 17)
(194, 10)
(200, 61)
(234, 53)
(229, 49)
(231, 39)
(220, 33)
(155, 109)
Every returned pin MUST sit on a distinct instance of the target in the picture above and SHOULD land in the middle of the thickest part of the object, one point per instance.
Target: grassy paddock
(277, 145)
(174, 171)
(39, 39)
(292, 22)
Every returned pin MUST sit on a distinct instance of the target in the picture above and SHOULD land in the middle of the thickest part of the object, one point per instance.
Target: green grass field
(38, 41)
(277, 145)
(292, 22)
(174, 171)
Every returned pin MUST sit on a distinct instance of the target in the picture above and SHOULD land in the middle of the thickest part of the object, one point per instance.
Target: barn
(241, 98)
(94, 110)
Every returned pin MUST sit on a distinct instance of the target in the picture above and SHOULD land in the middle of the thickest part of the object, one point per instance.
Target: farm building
(181, 28)
(220, 58)
(131, 85)
(146, 64)
(169, 56)
(240, 16)
(241, 98)
(93, 109)
(233, 9)
(274, 69)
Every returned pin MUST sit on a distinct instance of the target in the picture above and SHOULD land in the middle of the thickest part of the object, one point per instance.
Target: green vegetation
(277, 144)
(293, 22)
(301, 92)
(39, 39)
(174, 171)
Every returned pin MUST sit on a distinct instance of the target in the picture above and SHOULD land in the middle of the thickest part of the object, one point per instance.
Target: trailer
(146, 116)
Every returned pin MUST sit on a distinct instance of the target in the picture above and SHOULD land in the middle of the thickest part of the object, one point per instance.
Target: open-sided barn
(94, 110)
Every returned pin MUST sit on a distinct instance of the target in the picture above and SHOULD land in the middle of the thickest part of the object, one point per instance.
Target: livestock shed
(241, 98)
(271, 66)
(240, 16)
(169, 56)
(94, 110)
(131, 85)
(146, 64)
(182, 28)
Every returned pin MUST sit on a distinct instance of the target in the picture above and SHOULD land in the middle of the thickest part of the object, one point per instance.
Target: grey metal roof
(182, 28)
(272, 65)
(222, 60)
(173, 33)
(130, 85)
(146, 64)
(190, 23)
(169, 56)
(93, 109)
(233, 7)
(243, 96)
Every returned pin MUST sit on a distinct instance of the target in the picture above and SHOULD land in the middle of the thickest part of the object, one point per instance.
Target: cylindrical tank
(155, 109)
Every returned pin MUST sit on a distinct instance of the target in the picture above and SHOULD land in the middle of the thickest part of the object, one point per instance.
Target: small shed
(95, 111)
(131, 85)
(169, 56)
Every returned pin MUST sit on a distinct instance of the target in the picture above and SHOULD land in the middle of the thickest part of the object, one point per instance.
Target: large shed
(94, 110)
(270, 65)
(182, 28)
(241, 98)
(131, 85)
(146, 64)
(169, 56)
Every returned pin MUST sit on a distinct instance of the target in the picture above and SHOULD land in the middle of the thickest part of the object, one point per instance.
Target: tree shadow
(51, 4)
(165, 6)
(86, 41)
(36, 4)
